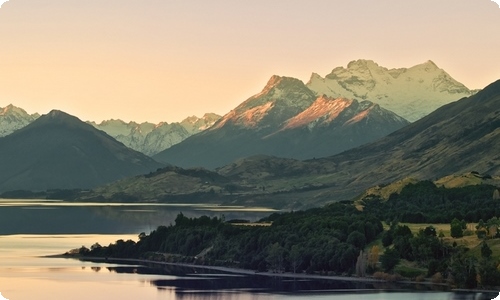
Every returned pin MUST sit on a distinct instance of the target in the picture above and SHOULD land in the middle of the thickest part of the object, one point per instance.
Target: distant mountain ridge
(462, 137)
(292, 119)
(411, 93)
(58, 151)
(285, 119)
(150, 138)
(13, 118)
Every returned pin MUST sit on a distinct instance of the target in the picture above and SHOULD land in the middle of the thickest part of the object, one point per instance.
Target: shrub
(437, 278)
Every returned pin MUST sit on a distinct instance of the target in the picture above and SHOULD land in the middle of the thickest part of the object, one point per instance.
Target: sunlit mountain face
(285, 119)
(412, 93)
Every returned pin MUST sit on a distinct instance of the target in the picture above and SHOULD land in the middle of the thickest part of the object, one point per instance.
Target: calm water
(31, 229)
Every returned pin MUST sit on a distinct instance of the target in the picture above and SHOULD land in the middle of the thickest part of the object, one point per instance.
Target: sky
(163, 60)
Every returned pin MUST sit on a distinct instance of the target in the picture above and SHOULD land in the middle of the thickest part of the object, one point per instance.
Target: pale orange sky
(161, 60)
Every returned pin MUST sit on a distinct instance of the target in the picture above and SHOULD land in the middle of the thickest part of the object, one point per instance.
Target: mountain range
(285, 119)
(59, 151)
(13, 118)
(349, 107)
(148, 138)
(460, 137)
(411, 93)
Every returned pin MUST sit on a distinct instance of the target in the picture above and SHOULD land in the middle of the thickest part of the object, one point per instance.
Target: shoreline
(248, 272)
(241, 271)
(229, 269)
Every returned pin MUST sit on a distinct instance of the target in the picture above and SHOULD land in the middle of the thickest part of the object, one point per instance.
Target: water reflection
(68, 227)
(59, 217)
(56, 278)
(212, 284)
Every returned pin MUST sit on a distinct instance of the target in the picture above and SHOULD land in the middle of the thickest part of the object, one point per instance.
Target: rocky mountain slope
(13, 118)
(60, 151)
(150, 138)
(462, 137)
(411, 93)
(285, 119)
(459, 138)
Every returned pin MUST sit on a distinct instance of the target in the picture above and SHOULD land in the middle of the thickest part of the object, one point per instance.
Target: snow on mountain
(13, 118)
(281, 99)
(326, 111)
(146, 137)
(409, 92)
(150, 138)
(323, 110)
(285, 119)
(193, 124)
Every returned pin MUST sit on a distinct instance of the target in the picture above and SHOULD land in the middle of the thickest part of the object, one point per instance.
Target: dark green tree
(485, 250)
(387, 238)
(430, 231)
(463, 269)
(357, 239)
(389, 259)
(456, 229)
(489, 274)
(295, 258)
(275, 257)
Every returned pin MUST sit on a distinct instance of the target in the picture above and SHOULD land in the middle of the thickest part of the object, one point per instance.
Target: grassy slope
(470, 240)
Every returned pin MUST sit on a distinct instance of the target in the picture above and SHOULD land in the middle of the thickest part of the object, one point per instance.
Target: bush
(389, 259)
(409, 272)
(437, 278)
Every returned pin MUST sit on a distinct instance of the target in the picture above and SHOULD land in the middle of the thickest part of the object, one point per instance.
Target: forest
(424, 202)
(337, 239)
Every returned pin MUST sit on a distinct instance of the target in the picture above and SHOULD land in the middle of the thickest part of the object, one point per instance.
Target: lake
(31, 229)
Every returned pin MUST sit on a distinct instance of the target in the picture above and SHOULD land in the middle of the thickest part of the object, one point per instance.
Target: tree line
(334, 239)
(327, 239)
(424, 202)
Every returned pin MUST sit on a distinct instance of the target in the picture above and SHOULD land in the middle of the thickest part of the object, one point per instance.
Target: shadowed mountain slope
(60, 151)
(457, 138)
(461, 137)
(287, 120)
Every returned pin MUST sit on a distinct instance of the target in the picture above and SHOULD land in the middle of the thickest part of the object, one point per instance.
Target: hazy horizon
(163, 61)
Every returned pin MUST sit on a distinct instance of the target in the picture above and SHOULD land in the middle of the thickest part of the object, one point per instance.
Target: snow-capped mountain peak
(194, 124)
(13, 118)
(281, 99)
(150, 138)
(409, 92)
